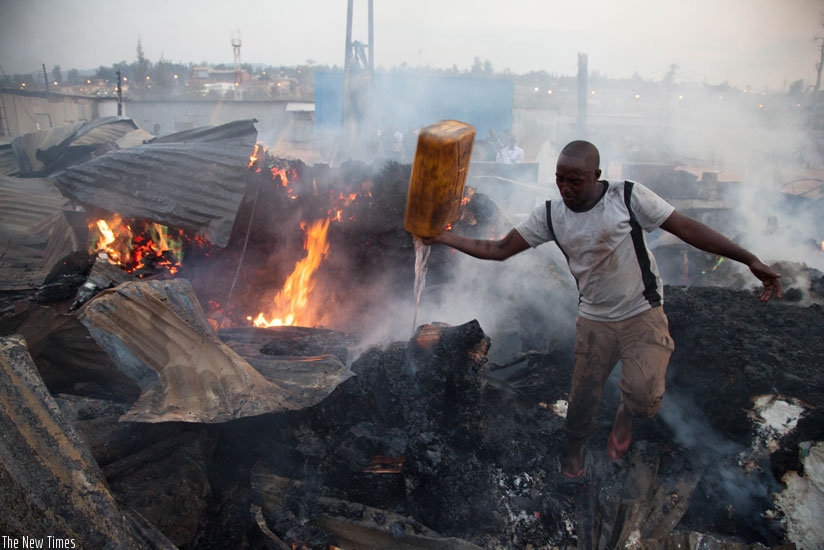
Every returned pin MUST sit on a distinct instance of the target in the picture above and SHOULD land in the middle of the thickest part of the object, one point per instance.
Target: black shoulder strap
(628, 197)
(651, 293)
(552, 229)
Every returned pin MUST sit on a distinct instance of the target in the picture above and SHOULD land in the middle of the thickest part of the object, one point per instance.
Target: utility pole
(582, 95)
(371, 42)
(347, 61)
(818, 66)
(119, 94)
(46, 78)
(358, 81)
(238, 70)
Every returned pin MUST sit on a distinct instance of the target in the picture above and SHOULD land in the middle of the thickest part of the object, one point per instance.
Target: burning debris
(142, 251)
(194, 182)
(158, 367)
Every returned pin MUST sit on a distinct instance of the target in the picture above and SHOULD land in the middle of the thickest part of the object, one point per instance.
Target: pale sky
(761, 43)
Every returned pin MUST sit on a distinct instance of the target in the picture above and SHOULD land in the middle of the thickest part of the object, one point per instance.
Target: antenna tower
(238, 71)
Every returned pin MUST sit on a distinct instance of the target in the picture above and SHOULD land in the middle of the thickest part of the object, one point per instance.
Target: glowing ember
(385, 465)
(428, 336)
(466, 215)
(151, 246)
(290, 304)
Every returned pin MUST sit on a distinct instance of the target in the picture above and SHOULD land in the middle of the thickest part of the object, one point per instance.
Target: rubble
(51, 485)
(67, 358)
(38, 231)
(195, 429)
(802, 500)
(157, 334)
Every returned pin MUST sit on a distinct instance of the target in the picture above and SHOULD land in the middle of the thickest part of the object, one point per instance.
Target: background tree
(142, 69)
(126, 70)
(108, 74)
(796, 88)
(73, 77)
(162, 78)
(57, 74)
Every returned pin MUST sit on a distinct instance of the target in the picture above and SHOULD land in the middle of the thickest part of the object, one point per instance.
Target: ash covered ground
(480, 443)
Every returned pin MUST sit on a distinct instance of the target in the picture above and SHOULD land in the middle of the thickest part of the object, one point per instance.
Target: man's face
(577, 178)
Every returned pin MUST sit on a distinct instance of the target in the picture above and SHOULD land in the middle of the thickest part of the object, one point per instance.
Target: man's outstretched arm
(709, 240)
(501, 249)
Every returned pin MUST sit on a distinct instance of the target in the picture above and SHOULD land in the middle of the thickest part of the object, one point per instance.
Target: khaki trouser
(642, 343)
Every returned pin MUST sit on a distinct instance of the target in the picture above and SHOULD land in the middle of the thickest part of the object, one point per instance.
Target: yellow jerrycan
(439, 170)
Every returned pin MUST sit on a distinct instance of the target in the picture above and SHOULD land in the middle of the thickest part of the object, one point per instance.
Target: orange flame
(291, 303)
(133, 249)
(254, 158)
(106, 235)
(278, 171)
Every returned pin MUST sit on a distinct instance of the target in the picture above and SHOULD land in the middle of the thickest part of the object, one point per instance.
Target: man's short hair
(581, 148)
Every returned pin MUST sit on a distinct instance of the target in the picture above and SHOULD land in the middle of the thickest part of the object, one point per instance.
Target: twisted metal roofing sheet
(196, 183)
(34, 231)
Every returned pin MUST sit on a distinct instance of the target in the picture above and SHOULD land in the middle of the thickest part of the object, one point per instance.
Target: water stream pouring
(421, 259)
(436, 187)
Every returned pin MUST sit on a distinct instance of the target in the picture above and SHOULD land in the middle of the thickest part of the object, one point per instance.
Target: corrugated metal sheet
(157, 333)
(35, 233)
(50, 151)
(25, 202)
(131, 139)
(195, 183)
(242, 132)
(66, 356)
(27, 145)
(8, 160)
(49, 481)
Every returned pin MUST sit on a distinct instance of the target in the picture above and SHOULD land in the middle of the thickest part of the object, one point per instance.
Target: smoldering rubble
(137, 414)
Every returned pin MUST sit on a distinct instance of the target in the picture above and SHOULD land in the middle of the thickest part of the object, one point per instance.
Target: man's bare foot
(621, 435)
(572, 465)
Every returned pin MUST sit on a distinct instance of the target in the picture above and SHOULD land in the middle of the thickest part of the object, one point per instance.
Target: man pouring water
(599, 226)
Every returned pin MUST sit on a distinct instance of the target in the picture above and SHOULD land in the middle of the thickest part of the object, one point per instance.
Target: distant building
(208, 75)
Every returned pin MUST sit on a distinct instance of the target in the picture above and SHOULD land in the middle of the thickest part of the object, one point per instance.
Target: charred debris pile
(141, 407)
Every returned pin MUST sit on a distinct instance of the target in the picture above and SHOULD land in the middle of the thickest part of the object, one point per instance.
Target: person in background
(510, 153)
(599, 226)
(491, 145)
(397, 145)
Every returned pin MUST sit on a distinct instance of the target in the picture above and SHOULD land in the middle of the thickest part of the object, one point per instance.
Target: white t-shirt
(607, 253)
